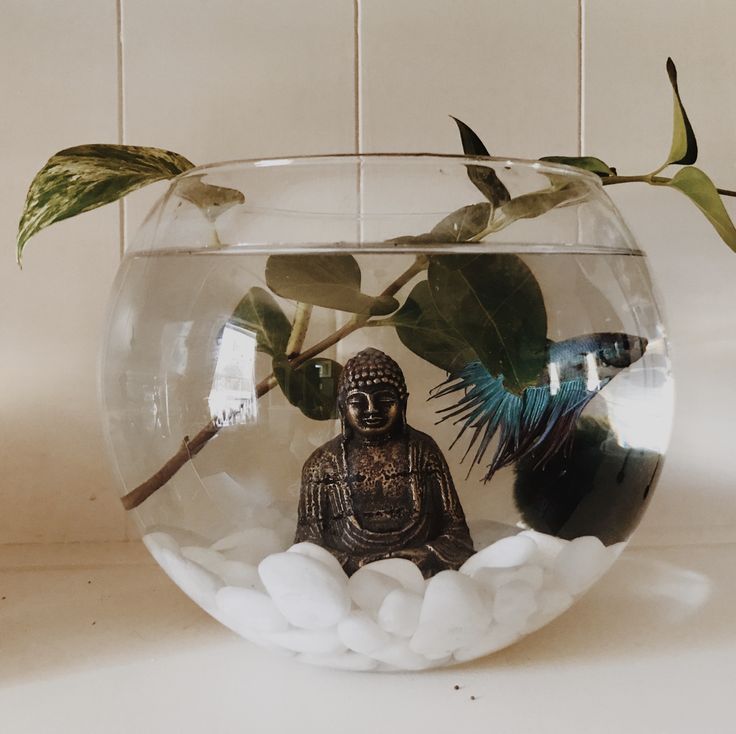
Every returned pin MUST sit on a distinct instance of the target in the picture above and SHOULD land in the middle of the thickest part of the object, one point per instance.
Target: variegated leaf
(85, 177)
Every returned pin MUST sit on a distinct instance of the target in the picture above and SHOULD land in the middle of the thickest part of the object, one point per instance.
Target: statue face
(372, 413)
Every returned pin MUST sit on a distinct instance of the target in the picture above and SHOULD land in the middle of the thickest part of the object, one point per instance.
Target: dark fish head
(620, 350)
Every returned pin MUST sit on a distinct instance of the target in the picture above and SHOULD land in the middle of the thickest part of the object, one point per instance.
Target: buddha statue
(381, 489)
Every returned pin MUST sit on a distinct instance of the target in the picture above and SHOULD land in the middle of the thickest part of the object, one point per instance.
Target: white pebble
(312, 550)
(359, 632)
(514, 603)
(581, 563)
(368, 588)
(247, 611)
(318, 642)
(505, 553)
(494, 578)
(197, 583)
(156, 541)
(552, 603)
(251, 545)
(549, 546)
(399, 613)
(453, 615)
(344, 661)
(401, 569)
(205, 557)
(496, 637)
(306, 592)
(235, 573)
(398, 655)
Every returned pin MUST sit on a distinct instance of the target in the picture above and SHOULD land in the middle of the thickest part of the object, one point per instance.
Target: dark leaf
(684, 146)
(422, 330)
(703, 193)
(311, 387)
(483, 177)
(258, 312)
(79, 179)
(587, 163)
(495, 304)
(472, 144)
(331, 281)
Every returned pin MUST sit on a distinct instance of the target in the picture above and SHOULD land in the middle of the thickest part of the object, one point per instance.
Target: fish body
(542, 419)
(610, 352)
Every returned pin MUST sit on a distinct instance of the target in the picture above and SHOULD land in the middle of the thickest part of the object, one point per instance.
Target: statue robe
(432, 519)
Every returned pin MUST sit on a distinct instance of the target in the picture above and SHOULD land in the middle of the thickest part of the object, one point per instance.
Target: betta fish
(542, 419)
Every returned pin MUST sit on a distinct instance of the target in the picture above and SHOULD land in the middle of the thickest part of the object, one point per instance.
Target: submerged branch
(191, 447)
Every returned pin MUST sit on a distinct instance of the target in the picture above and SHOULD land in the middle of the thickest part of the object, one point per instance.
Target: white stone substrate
(299, 601)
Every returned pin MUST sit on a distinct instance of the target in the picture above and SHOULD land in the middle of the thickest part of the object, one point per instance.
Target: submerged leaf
(702, 192)
(586, 163)
(258, 312)
(496, 305)
(79, 179)
(684, 146)
(311, 387)
(331, 281)
(484, 178)
(422, 330)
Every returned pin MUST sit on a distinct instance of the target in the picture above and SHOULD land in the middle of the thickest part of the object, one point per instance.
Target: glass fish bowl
(385, 412)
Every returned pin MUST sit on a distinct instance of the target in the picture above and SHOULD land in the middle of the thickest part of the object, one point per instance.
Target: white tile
(628, 121)
(232, 79)
(58, 89)
(507, 69)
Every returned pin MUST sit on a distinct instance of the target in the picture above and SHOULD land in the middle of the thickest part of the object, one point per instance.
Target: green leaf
(703, 193)
(422, 330)
(463, 224)
(259, 312)
(484, 178)
(79, 179)
(684, 146)
(587, 163)
(331, 281)
(211, 200)
(311, 387)
(495, 304)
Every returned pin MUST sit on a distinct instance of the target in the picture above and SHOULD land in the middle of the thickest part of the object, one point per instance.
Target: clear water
(171, 364)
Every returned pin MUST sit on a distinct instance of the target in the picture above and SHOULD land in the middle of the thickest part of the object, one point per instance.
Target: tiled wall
(237, 78)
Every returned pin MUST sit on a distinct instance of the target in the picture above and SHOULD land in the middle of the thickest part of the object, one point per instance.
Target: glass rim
(537, 166)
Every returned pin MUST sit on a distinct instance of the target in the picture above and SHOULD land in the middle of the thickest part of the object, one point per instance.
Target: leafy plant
(480, 318)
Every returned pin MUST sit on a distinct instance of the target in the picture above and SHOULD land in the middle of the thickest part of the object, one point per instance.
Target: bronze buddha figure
(381, 489)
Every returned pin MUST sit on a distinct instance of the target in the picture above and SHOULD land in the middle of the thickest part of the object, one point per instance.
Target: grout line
(358, 75)
(122, 207)
(358, 89)
(581, 77)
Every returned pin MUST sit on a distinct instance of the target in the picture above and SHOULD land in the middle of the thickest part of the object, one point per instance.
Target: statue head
(372, 396)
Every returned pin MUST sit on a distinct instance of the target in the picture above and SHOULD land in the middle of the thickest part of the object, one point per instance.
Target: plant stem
(299, 329)
(651, 179)
(191, 447)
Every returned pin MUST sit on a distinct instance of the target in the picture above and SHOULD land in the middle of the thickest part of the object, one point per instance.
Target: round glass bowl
(385, 412)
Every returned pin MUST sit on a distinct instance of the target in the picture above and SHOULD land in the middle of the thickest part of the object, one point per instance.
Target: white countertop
(94, 638)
